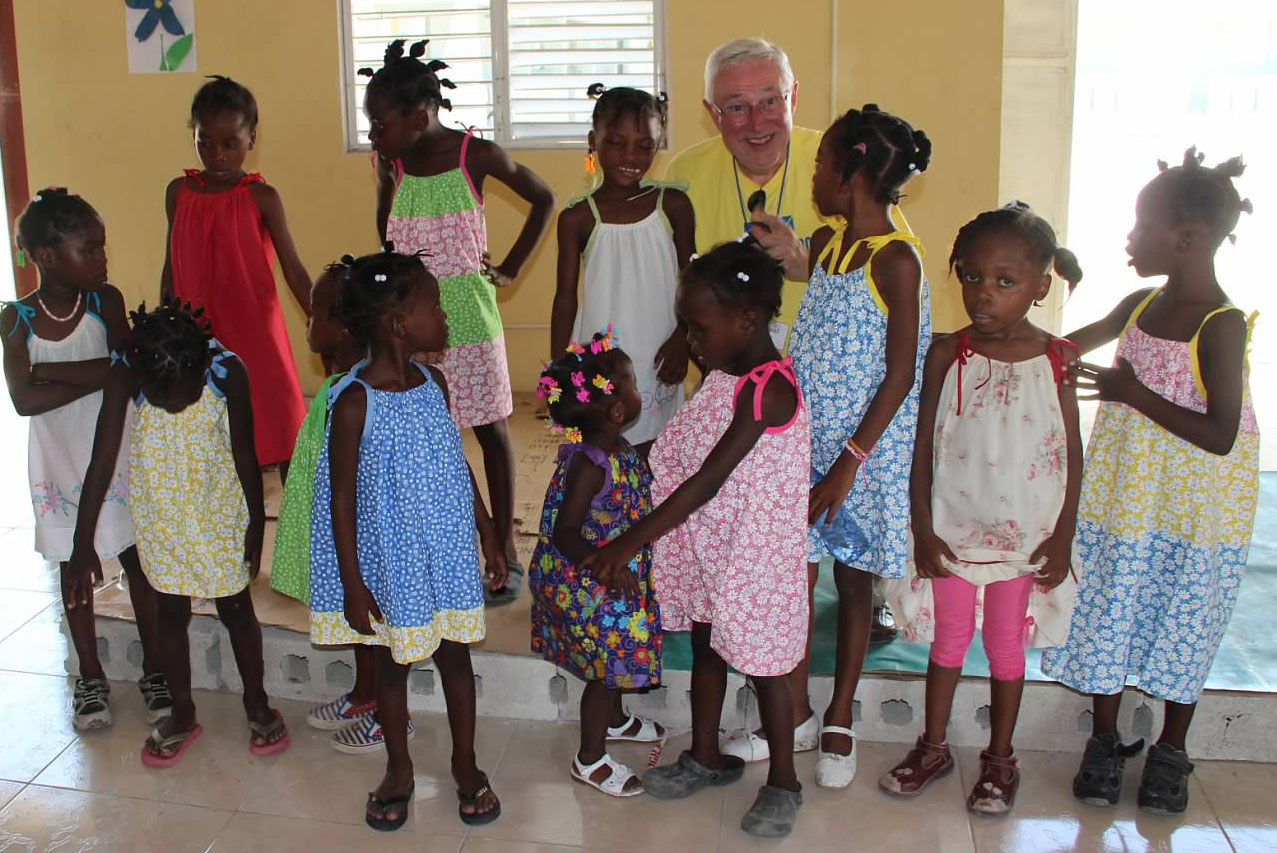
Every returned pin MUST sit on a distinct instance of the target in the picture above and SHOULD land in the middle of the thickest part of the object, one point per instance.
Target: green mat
(1247, 659)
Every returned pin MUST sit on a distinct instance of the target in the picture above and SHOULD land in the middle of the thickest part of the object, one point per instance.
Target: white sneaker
(339, 713)
(834, 770)
(751, 746)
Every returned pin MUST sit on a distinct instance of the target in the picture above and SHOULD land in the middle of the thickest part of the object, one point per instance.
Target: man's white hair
(743, 50)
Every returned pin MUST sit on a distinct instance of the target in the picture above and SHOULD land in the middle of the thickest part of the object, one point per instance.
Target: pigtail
(595, 91)
(1197, 193)
(1066, 266)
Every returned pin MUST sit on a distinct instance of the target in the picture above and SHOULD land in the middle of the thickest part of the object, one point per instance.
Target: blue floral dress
(839, 353)
(576, 625)
(414, 528)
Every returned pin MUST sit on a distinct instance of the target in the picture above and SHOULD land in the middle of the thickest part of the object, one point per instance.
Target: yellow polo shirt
(707, 169)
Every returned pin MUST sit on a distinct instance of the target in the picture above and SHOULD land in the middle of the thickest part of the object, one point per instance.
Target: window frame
(499, 36)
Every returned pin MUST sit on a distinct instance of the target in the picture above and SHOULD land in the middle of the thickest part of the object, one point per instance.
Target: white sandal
(617, 779)
(649, 732)
(834, 770)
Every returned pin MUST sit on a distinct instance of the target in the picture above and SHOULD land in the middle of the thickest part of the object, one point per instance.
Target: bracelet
(855, 450)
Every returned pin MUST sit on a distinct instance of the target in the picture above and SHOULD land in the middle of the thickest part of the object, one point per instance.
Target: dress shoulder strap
(760, 375)
(465, 146)
(217, 367)
(348, 379)
(1139, 309)
(596, 456)
(24, 314)
(1194, 343)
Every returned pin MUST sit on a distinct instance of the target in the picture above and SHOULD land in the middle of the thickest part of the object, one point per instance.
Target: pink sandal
(274, 736)
(155, 747)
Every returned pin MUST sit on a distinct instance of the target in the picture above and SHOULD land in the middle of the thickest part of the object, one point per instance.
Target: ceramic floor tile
(55, 819)
(257, 833)
(1047, 818)
(19, 606)
(495, 845)
(541, 803)
(9, 790)
(861, 811)
(39, 646)
(217, 770)
(1244, 797)
(23, 567)
(316, 782)
(36, 710)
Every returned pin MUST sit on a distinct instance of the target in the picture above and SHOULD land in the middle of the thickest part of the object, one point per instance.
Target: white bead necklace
(54, 317)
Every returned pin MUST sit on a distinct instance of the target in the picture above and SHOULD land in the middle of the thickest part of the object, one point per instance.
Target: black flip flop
(387, 824)
(477, 818)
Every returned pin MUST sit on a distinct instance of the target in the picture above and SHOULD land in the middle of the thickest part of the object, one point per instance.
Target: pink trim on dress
(760, 375)
(465, 144)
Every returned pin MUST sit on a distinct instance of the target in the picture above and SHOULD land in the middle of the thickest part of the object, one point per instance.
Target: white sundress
(629, 277)
(999, 470)
(61, 444)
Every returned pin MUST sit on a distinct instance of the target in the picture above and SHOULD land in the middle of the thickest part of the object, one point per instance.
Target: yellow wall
(118, 138)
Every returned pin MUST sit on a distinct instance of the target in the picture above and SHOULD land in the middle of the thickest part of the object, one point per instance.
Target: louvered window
(521, 66)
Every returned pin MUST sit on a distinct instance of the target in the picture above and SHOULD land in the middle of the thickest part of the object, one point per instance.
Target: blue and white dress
(839, 353)
(414, 527)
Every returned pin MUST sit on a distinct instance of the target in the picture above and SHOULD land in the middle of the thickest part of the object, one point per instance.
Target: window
(521, 66)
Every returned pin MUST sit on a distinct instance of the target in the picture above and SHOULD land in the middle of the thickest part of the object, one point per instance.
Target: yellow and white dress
(188, 507)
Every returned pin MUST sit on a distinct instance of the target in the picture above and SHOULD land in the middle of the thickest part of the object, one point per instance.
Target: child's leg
(174, 653)
(709, 685)
(392, 713)
(954, 604)
(84, 633)
(798, 679)
(855, 616)
(142, 597)
(597, 705)
(1104, 710)
(1175, 725)
(498, 469)
(365, 689)
(236, 613)
(775, 707)
(453, 660)
(1005, 605)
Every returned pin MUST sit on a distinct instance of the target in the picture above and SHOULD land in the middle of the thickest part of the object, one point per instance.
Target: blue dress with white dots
(414, 528)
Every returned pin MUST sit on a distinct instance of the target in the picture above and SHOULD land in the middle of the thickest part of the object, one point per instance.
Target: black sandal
(477, 818)
(1164, 785)
(385, 824)
(1099, 780)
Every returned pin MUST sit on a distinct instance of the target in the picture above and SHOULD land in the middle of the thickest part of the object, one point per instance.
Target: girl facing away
(225, 228)
(997, 468)
(630, 239)
(731, 469)
(394, 563)
(430, 200)
(1160, 555)
(57, 346)
(195, 494)
(858, 345)
(605, 631)
(350, 717)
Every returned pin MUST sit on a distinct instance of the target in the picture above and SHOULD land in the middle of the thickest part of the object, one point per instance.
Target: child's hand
(610, 568)
(494, 273)
(253, 547)
(671, 359)
(1056, 552)
(83, 571)
(828, 494)
(619, 582)
(496, 569)
(359, 606)
(1113, 384)
(928, 548)
(779, 240)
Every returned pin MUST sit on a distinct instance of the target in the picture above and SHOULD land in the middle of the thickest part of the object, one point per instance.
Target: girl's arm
(575, 225)
(170, 209)
(343, 455)
(85, 567)
(780, 401)
(493, 555)
(271, 207)
(487, 158)
(819, 241)
(1100, 332)
(927, 546)
(90, 375)
(672, 357)
(385, 194)
(35, 392)
(898, 274)
(239, 412)
(1057, 549)
(583, 482)
(1222, 347)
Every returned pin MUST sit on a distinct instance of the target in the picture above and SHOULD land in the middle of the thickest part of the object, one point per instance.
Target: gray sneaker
(773, 814)
(156, 696)
(89, 704)
(687, 776)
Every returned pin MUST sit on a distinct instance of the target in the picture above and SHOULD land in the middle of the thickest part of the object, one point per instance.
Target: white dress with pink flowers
(999, 469)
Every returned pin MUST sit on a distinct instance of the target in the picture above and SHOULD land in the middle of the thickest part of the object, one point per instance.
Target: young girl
(350, 717)
(609, 635)
(632, 236)
(997, 468)
(195, 493)
(731, 473)
(225, 227)
(56, 346)
(430, 200)
(393, 557)
(858, 345)
(1160, 555)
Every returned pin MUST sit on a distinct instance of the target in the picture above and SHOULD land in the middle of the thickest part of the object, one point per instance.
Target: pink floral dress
(999, 469)
(738, 563)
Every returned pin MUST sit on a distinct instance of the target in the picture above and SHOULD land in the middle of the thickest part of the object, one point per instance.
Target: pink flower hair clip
(605, 343)
(578, 379)
(548, 389)
(603, 384)
(571, 435)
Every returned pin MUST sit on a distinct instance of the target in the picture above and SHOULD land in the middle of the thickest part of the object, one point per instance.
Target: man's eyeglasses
(738, 112)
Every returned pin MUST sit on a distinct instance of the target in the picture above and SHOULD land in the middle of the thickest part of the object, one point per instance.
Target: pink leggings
(1005, 606)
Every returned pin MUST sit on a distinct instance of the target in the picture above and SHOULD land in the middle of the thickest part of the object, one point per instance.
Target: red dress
(222, 258)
